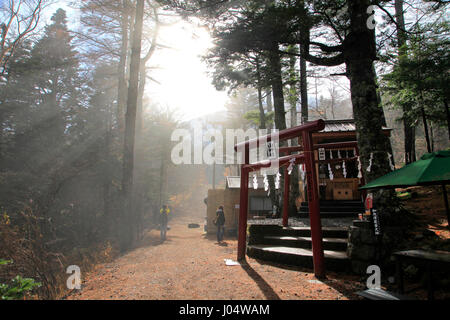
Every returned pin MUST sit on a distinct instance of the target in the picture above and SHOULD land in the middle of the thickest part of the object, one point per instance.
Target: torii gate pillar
(286, 197)
(314, 207)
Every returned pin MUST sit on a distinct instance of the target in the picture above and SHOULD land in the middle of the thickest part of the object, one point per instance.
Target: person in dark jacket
(220, 223)
(163, 220)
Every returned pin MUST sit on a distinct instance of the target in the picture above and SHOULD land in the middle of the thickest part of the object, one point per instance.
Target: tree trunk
(140, 102)
(432, 137)
(277, 88)
(278, 104)
(139, 184)
(410, 144)
(447, 112)
(269, 100)
(360, 53)
(425, 129)
(293, 95)
(130, 121)
(294, 191)
(122, 89)
(408, 128)
(162, 179)
(262, 116)
(332, 103)
(304, 89)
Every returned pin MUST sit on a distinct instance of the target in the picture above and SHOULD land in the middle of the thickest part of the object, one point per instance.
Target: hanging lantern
(277, 181)
(339, 154)
(331, 154)
(255, 182)
(344, 169)
(390, 162)
(330, 173)
(266, 183)
(369, 168)
(302, 171)
(291, 166)
(359, 168)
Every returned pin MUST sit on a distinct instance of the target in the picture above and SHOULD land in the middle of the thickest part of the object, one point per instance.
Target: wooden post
(243, 206)
(286, 197)
(314, 207)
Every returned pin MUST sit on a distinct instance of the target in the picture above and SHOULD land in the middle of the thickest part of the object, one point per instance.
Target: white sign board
(376, 222)
(321, 154)
(271, 150)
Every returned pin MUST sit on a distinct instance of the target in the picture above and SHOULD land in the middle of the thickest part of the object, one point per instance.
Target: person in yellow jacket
(163, 220)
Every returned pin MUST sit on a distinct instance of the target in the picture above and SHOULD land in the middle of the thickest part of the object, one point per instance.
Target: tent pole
(444, 191)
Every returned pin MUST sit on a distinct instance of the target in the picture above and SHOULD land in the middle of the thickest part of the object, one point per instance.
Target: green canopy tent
(431, 169)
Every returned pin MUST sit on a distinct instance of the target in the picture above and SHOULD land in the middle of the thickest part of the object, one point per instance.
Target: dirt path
(190, 265)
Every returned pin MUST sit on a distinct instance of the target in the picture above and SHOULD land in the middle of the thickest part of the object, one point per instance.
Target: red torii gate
(307, 158)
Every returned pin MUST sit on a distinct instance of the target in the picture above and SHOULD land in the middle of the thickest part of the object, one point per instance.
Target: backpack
(164, 216)
(220, 220)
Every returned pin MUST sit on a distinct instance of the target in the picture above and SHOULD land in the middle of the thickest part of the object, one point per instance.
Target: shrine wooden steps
(305, 242)
(334, 209)
(292, 246)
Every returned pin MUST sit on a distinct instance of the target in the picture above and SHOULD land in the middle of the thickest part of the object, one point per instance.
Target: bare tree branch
(24, 16)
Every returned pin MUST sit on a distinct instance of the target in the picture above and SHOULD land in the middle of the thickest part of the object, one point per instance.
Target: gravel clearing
(191, 265)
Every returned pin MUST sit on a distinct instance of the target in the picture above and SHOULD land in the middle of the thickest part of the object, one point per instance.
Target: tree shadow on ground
(345, 284)
(153, 240)
(265, 288)
(213, 237)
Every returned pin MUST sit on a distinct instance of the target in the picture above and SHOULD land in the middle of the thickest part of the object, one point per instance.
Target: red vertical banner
(314, 206)
(369, 201)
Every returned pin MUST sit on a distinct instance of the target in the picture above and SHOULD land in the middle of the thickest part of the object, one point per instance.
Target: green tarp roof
(431, 169)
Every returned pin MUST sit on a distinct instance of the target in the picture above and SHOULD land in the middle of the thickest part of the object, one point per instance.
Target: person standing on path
(163, 220)
(220, 223)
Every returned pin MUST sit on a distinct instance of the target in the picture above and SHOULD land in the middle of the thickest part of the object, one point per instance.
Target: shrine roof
(347, 125)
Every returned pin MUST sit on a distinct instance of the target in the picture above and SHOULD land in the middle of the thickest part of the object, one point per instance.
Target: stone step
(334, 260)
(305, 214)
(337, 203)
(336, 244)
(335, 209)
(327, 232)
(259, 231)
